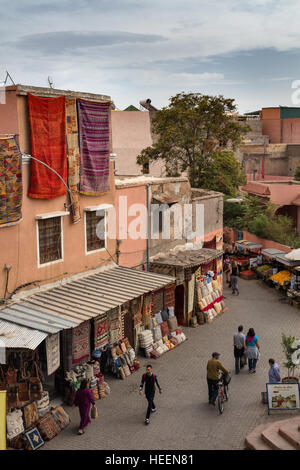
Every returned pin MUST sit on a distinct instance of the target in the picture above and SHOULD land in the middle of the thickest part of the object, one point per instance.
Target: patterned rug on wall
(101, 336)
(10, 182)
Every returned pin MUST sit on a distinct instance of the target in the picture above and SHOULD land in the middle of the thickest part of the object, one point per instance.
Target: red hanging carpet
(48, 144)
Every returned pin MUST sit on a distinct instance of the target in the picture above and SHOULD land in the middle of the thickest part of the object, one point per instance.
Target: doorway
(179, 304)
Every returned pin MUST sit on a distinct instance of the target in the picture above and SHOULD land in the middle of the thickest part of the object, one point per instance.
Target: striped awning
(16, 336)
(76, 301)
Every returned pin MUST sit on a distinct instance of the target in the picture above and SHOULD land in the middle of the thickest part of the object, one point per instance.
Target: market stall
(246, 255)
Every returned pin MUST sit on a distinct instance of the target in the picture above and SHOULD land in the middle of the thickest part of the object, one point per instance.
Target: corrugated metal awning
(15, 336)
(74, 302)
(187, 258)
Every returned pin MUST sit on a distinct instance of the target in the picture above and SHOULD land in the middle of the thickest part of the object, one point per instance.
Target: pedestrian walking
(252, 350)
(226, 269)
(83, 399)
(234, 271)
(214, 366)
(149, 379)
(274, 372)
(239, 345)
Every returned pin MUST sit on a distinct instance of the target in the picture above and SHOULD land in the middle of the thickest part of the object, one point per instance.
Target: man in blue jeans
(149, 379)
(214, 367)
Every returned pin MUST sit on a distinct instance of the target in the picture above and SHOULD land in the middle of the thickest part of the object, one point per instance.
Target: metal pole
(148, 228)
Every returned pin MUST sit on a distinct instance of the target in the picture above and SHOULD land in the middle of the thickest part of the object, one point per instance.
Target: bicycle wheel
(220, 402)
(226, 392)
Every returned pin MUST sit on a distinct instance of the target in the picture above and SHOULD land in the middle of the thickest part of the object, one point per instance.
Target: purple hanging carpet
(94, 134)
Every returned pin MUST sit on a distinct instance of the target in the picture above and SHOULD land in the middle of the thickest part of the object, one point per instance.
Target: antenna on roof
(50, 81)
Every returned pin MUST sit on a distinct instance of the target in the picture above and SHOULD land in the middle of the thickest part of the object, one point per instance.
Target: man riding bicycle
(214, 366)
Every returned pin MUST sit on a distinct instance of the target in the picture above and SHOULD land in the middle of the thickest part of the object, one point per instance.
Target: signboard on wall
(3, 420)
(283, 396)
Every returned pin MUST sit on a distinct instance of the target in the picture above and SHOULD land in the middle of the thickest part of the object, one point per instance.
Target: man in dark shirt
(149, 379)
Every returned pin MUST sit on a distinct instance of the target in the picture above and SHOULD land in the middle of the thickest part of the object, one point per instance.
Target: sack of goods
(14, 424)
(145, 338)
(94, 412)
(157, 334)
(215, 285)
(217, 307)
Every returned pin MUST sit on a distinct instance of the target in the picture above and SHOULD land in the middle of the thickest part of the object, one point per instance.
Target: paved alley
(184, 419)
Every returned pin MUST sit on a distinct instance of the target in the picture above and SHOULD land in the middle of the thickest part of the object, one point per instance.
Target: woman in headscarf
(83, 399)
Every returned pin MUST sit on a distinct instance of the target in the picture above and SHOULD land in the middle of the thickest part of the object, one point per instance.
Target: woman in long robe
(83, 399)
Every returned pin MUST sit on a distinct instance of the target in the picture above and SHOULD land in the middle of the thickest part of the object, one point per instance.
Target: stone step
(254, 440)
(272, 437)
(290, 431)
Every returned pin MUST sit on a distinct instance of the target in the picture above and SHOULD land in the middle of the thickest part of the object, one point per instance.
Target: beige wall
(18, 243)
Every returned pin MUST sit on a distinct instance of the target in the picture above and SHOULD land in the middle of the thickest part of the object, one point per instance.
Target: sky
(132, 50)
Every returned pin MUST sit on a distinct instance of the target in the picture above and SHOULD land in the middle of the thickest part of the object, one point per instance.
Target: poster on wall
(283, 396)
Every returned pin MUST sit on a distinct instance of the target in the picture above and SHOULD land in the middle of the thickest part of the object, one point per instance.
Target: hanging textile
(158, 301)
(136, 311)
(147, 309)
(81, 342)
(48, 144)
(191, 292)
(101, 336)
(94, 146)
(53, 353)
(10, 182)
(73, 156)
(114, 325)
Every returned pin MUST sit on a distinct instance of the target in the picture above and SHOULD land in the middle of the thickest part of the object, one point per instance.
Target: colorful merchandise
(34, 438)
(48, 144)
(81, 342)
(101, 331)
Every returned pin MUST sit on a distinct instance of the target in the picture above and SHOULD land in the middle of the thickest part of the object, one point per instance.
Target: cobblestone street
(184, 419)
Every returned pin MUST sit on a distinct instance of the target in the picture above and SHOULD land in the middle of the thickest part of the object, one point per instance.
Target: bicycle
(223, 392)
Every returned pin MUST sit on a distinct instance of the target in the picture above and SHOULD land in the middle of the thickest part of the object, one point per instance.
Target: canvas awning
(187, 258)
(249, 245)
(271, 252)
(16, 336)
(76, 301)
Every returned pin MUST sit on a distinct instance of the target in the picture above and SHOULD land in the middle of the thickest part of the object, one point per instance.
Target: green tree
(224, 174)
(297, 173)
(192, 131)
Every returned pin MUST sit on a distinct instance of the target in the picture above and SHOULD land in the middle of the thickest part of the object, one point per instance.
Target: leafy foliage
(297, 174)
(193, 132)
(288, 350)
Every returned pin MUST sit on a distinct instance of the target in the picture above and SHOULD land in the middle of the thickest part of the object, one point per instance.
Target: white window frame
(95, 209)
(50, 216)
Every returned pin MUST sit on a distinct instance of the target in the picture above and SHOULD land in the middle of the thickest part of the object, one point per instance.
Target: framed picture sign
(283, 396)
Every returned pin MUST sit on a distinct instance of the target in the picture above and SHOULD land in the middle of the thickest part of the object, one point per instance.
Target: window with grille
(95, 230)
(50, 239)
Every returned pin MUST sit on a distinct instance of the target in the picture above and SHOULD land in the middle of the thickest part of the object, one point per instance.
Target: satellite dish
(50, 81)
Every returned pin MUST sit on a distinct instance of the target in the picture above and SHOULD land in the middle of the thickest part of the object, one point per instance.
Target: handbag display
(35, 385)
(94, 412)
(48, 427)
(14, 424)
(23, 391)
(11, 376)
(2, 380)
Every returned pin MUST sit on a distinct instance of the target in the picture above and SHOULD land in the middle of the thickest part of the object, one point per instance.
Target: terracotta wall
(8, 113)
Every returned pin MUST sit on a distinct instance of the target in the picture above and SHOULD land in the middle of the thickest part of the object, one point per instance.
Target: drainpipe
(148, 228)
